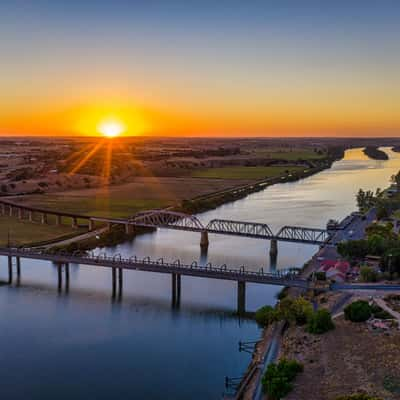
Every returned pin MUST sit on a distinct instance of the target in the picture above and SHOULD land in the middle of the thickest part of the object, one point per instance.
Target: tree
(266, 315)
(358, 311)
(320, 322)
(277, 380)
(396, 179)
(296, 310)
(368, 274)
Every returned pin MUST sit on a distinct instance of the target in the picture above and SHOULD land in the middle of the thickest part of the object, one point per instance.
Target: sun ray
(85, 159)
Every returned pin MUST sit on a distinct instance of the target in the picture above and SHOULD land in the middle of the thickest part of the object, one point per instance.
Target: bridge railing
(118, 261)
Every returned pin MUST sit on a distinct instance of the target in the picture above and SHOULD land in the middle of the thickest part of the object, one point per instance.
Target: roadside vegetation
(358, 397)
(278, 379)
(244, 172)
(296, 311)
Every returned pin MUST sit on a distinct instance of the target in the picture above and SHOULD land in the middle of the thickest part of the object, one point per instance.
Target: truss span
(304, 235)
(167, 219)
(240, 228)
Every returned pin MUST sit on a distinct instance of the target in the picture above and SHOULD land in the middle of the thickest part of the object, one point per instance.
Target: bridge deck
(223, 272)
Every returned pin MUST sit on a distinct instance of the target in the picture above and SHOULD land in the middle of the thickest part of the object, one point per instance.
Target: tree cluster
(278, 378)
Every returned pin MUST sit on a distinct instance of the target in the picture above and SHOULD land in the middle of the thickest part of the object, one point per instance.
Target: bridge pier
(58, 219)
(59, 273)
(66, 276)
(18, 268)
(2, 209)
(92, 225)
(273, 251)
(241, 297)
(204, 240)
(20, 213)
(10, 271)
(74, 222)
(30, 216)
(10, 211)
(176, 290)
(44, 218)
(129, 229)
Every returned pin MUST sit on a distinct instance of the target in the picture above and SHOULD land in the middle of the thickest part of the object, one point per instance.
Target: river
(82, 345)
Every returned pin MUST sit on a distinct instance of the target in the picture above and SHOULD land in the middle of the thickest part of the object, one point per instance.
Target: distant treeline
(396, 149)
(375, 153)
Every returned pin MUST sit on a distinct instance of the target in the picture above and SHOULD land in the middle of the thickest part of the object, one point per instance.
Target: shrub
(296, 310)
(277, 380)
(320, 322)
(266, 315)
(368, 274)
(358, 311)
(320, 276)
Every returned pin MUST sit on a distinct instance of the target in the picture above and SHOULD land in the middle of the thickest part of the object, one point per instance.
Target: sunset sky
(236, 68)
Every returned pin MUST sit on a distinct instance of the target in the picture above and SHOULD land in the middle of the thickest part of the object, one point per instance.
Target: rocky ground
(349, 359)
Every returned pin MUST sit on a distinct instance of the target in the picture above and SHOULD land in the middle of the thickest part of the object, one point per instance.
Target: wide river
(82, 345)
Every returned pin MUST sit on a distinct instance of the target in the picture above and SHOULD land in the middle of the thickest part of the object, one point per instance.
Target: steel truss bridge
(180, 221)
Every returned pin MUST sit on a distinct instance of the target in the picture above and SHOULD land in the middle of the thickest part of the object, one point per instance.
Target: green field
(24, 232)
(241, 172)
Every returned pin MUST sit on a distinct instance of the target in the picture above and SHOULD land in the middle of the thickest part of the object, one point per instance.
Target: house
(335, 270)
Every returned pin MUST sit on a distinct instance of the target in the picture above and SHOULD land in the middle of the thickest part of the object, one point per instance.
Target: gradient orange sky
(179, 69)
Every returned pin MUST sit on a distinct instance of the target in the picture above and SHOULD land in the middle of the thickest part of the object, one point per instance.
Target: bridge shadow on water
(127, 301)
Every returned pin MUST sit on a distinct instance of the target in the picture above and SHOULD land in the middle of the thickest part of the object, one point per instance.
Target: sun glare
(111, 129)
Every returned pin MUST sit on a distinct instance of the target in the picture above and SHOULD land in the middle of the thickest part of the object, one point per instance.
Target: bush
(368, 274)
(296, 310)
(358, 311)
(320, 276)
(266, 315)
(277, 380)
(320, 322)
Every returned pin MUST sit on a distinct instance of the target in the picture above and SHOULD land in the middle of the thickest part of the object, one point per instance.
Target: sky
(193, 68)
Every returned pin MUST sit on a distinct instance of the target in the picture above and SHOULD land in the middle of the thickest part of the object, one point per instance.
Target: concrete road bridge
(168, 219)
(176, 269)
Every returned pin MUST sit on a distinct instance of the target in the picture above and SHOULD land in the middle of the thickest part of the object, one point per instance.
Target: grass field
(125, 200)
(24, 232)
(241, 172)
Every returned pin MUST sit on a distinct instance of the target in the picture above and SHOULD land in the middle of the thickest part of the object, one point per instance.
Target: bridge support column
(18, 268)
(91, 225)
(59, 273)
(109, 226)
(204, 240)
(74, 222)
(176, 290)
(241, 297)
(10, 271)
(129, 229)
(10, 211)
(66, 276)
(114, 281)
(273, 251)
(20, 213)
(58, 219)
(30, 216)
(44, 218)
(120, 281)
(2, 209)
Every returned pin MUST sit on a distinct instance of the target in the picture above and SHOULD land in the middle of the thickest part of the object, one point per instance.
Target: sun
(111, 128)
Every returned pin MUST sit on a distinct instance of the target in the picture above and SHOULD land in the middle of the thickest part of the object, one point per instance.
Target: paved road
(366, 286)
